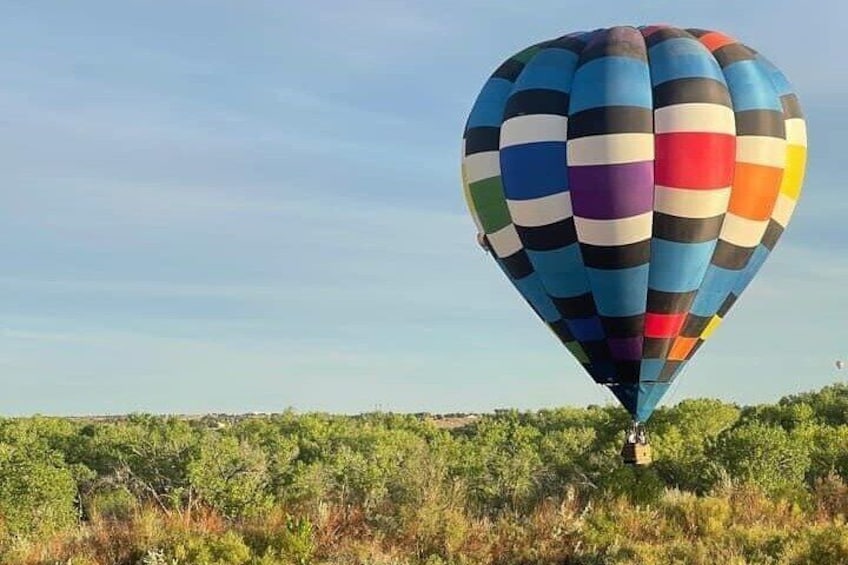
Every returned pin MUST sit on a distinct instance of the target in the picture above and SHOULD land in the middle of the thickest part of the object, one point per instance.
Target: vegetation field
(763, 484)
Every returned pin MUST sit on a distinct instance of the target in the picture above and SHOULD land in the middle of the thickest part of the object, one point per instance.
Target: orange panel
(755, 189)
(681, 348)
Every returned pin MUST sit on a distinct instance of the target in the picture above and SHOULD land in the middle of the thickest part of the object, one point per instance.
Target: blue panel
(682, 57)
(650, 395)
(626, 82)
(757, 260)
(640, 399)
(679, 267)
(533, 170)
(551, 69)
(561, 270)
(620, 292)
(532, 290)
(651, 369)
(489, 106)
(780, 82)
(586, 329)
(750, 87)
(714, 290)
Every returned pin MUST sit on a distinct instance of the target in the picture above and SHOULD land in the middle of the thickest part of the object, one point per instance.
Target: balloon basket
(636, 453)
(636, 449)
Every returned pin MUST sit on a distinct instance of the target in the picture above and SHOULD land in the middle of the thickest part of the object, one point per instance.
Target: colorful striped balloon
(631, 182)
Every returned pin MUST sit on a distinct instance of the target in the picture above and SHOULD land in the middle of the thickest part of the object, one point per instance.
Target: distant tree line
(729, 484)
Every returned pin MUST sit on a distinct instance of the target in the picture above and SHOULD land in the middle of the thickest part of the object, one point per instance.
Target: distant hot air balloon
(630, 182)
(840, 364)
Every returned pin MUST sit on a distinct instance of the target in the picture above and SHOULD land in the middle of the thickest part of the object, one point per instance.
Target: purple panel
(610, 192)
(626, 349)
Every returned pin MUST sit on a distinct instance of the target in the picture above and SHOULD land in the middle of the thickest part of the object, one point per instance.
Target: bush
(37, 491)
(231, 476)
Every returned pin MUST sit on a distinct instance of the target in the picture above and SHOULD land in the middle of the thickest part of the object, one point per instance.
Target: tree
(231, 476)
(763, 455)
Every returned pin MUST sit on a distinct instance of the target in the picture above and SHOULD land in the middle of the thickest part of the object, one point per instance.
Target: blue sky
(219, 206)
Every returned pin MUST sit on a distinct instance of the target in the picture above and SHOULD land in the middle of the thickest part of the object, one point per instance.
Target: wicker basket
(636, 453)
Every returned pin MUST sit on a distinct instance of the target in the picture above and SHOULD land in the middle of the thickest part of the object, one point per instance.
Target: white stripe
(534, 128)
(614, 232)
(540, 211)
(685, 203)
(610, 149)
(783, 209)
(742, 231)
(796, 132)
(761, 150)
(696, 117)
(505, 241)
(480, 166)
(469, 202)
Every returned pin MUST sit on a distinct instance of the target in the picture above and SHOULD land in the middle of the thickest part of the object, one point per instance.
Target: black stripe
(733, 53)
(769, 123)
(697, 32)
(627, 372)
(624, 326)
(509, 70)
(612, 42)
(686, 230)
(517, 265)
(569, 43)
(694, 325)
(726, 305)
(668, 370)
(536, 101)
(597, 351)
(773, 233)
(729, 256)
(616, 256)
(482, 139)
(660, 302)
(597, 373)
(560, 328)
(690, 90)
(665, 34)
(695, 349)
(582, 306)
(656, 347)
(548, 237)
(610, 119)
(791, 106)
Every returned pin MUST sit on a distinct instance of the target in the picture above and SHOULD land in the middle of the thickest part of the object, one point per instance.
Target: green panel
(489, 201)
(576, 350)
(526, 54)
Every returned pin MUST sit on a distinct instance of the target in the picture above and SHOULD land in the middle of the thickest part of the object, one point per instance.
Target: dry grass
(736, 525)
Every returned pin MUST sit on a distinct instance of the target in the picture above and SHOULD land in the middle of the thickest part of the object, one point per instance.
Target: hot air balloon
(840, 364)
(630, 182)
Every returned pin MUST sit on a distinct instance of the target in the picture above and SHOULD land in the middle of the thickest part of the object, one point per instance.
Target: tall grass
(735, 524)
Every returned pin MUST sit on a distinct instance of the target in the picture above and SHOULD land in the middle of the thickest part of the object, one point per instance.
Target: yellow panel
(708, 331)
(793, 174)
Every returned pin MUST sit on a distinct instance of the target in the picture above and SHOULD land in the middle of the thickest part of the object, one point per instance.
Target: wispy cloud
(245, 206)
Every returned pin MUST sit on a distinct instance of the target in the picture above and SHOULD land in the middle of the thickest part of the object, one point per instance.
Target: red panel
(652, 29)
(664, 325)
(716, 40)
(694, 160)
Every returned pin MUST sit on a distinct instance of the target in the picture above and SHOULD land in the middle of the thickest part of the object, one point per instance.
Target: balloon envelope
(630, 182)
